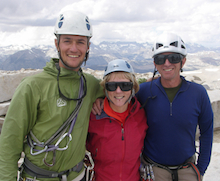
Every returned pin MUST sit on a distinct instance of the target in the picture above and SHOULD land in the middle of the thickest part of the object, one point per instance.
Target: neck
(62, 64)
(170, 83)
(118, 109)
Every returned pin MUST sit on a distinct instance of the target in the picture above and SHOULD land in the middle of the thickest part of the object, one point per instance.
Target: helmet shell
(169, 42)
(73, 23)
(118, 65)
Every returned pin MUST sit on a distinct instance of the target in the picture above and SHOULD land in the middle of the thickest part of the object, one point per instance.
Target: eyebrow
(81, 39)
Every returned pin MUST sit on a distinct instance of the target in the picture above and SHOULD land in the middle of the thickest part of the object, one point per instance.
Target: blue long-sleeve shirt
(170, 138)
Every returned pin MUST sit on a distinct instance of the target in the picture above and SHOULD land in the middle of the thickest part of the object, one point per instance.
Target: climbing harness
(89, 165)
(148, 164)
(37, 172)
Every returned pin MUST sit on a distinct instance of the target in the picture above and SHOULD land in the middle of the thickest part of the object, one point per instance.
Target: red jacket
(115, 147)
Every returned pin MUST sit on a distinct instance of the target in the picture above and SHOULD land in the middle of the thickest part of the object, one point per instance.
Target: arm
(206, 132)
(16, 125)
(98, 106)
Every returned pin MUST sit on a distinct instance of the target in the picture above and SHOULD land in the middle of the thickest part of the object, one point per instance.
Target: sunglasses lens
(111, 86)
(159, 59)
(173, 58)
(124, 86)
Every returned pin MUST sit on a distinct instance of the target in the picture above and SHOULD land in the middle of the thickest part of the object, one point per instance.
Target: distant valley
(138, 54)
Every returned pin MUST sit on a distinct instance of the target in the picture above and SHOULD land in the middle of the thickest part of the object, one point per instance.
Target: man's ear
(183, 61)
(88, 46)
(56, 44)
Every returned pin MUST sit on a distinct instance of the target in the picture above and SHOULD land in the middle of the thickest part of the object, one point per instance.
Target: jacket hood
(51, 69)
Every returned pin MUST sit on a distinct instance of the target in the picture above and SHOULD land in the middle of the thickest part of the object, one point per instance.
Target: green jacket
(35, 106)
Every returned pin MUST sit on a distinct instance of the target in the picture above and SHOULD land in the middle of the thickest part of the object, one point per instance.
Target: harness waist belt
(38, 172)
(172, 167)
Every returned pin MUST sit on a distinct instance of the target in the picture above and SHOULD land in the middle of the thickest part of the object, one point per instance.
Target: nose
(73, 47)
(118, 89)
(167, 62)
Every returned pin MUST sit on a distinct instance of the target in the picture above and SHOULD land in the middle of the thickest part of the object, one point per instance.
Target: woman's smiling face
(118, 98)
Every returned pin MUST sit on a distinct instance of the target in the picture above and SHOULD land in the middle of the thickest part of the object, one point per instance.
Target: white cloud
(195, 21)
(28, 36)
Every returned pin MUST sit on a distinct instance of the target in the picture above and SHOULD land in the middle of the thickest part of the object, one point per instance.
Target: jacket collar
(184, 86)
(51, 69)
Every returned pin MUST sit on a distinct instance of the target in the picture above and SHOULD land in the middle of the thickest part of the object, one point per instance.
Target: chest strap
(38, 172)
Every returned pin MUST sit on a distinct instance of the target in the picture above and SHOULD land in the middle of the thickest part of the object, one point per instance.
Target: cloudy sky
(31, 22)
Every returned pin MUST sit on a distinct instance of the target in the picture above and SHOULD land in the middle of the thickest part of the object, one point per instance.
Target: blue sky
(32, 22)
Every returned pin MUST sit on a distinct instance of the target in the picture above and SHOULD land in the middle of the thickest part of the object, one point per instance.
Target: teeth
(73, 56)
(167, 70)
(119, 97)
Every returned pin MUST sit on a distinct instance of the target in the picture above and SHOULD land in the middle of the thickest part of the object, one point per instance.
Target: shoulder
(144, 86)
(98, 117)
(29, 79)
(136, 106)
(194, 86)
(36, 79)
(90, 77)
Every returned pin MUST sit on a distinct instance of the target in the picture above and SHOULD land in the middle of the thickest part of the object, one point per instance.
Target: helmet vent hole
(175, 44)
(159, 45)
(183, 47)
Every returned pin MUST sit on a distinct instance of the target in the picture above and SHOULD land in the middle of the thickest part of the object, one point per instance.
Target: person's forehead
(166, 53)
(74, 37)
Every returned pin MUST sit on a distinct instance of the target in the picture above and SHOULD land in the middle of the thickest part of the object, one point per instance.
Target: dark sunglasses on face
(124, 86)
(173, 58)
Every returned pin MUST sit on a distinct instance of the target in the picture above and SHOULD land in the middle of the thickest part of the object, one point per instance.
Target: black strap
(174, 171)
(38, 172)
(174, 174)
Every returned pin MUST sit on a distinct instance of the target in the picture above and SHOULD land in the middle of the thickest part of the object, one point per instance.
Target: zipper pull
(122, 131)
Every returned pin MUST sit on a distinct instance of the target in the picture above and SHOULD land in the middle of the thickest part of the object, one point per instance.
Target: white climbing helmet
(169, 42)
(73, 23)
(118, 65)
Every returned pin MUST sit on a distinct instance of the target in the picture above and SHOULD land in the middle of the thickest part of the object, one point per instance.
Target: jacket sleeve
(19, 119)
(206, 133)
(97, 89)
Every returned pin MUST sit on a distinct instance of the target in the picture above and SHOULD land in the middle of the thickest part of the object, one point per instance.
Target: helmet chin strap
(181, 64)
(73, 68)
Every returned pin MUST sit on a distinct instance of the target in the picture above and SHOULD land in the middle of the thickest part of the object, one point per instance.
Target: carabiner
(38, 152)
(61, 139)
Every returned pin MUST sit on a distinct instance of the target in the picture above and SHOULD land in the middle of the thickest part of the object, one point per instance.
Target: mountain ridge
(15, 57)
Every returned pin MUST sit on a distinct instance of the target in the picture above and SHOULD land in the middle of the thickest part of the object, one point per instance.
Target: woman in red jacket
(116, 136)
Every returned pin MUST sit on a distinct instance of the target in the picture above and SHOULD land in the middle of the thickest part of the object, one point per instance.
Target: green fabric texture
(35, 106)
(171, 92)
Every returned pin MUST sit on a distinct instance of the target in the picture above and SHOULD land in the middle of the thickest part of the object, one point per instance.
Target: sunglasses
(124, 86)
(173, 58)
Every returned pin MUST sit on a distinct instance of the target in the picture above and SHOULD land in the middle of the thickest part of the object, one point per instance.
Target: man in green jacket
(36, 119)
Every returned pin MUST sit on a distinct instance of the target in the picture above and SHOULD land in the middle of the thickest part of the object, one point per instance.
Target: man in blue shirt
(174, 107)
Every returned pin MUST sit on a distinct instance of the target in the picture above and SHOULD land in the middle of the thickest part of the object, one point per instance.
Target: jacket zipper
(122, 132)
(123, 150)
(171, 109)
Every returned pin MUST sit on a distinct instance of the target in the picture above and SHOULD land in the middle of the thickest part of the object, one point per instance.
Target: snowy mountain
(138, 54)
